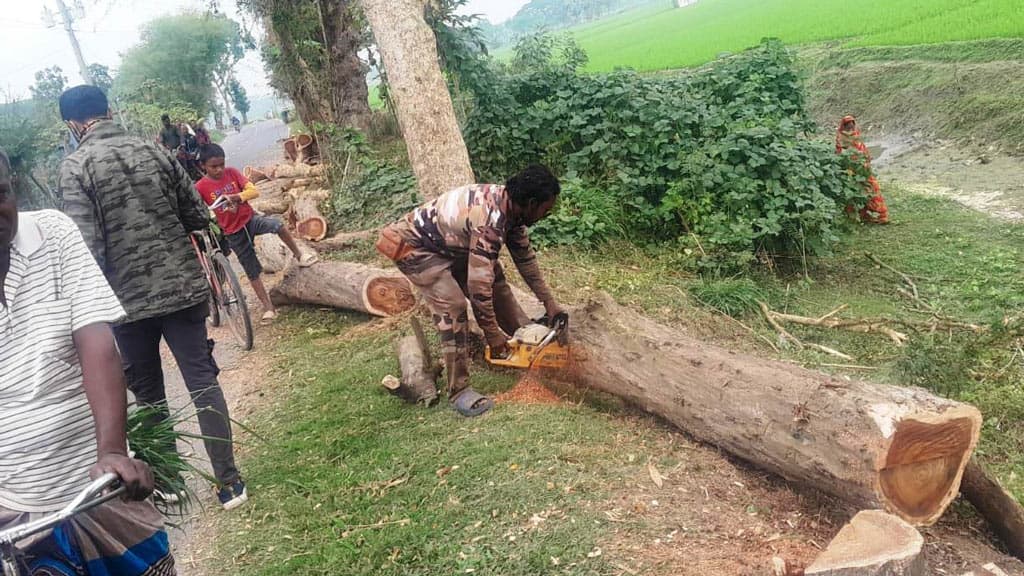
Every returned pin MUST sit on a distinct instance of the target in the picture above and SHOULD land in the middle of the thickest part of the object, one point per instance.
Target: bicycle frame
(90, 497)
(204, 244)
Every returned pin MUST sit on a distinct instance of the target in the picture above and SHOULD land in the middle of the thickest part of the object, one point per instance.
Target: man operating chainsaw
(448, 248)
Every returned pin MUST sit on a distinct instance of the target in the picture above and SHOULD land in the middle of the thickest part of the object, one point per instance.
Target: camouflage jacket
(472, 222)
(135, 206)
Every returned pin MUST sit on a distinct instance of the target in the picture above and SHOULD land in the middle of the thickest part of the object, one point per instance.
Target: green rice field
(658, 38)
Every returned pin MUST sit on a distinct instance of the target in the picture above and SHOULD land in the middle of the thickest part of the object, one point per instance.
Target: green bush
(584, 217)
(721, 153)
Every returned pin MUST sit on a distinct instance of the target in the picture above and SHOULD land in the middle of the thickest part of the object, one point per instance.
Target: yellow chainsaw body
(527, 350)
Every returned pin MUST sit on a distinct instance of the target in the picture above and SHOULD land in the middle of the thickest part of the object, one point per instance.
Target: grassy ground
(664, 37)
(347, 476)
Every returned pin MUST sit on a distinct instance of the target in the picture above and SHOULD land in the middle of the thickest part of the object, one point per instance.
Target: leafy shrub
(584, 217)
(721, 153)
(734, 297)
(369, 190)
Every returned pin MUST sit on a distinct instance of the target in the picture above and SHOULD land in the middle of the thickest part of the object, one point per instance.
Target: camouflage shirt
(472, 222)
(135, 206)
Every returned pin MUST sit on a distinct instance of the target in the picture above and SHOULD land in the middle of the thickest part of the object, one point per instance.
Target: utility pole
(68, 19)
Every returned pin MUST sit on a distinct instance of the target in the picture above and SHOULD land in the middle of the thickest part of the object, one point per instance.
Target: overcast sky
(112, 26)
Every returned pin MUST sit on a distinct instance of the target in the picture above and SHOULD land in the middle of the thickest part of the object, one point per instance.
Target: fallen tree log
(346, 285)
(301, 183)
(343, 240)
(873, 544)
(310, 224)
(271, 204)
(999, 508)
(254, 174)
(274, 255)
(872, 445)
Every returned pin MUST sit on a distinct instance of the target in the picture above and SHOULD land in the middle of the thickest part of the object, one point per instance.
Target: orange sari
(875, 210)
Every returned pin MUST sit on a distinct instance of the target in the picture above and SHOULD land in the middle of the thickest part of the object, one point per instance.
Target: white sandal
(268, 317)
(308, 259)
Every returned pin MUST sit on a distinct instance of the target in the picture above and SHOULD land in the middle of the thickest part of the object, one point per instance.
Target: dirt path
(980, 177)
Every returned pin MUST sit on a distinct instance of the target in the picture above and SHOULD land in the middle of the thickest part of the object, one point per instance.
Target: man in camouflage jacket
(448, 248)
(136, 206)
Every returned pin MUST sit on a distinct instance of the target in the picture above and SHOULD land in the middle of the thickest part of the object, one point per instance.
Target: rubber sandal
(308, 259)
(471, 403)
(268, 317)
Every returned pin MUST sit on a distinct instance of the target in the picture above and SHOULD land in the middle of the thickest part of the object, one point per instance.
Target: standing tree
(312, 53)
(240, 99)
(179, 61)
(101, 77)
(50, 84)
(420, 94)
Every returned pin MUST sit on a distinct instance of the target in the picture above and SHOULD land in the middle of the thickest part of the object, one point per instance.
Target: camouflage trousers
(442, 282)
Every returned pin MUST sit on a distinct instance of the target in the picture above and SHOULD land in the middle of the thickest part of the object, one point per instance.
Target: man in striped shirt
(63, 399)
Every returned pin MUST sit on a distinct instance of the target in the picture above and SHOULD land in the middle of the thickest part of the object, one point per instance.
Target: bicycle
(227, 301)
(97, 493)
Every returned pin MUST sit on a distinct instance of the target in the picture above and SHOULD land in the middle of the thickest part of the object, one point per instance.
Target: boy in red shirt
(239, 221)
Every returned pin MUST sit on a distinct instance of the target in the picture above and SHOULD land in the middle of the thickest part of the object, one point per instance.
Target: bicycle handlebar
(90, 497)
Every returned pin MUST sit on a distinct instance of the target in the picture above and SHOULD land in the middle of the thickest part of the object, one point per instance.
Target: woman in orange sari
(848, 138)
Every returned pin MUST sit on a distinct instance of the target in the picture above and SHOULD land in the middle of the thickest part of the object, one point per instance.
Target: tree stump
(874, 543)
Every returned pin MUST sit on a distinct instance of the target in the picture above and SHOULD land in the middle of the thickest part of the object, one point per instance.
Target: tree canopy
(179, 59)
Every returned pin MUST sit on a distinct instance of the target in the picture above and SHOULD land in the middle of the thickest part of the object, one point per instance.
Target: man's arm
(525, 259)
(77, 201)
(484, 246)
(93, 307)
(103, 380)
(192, 210)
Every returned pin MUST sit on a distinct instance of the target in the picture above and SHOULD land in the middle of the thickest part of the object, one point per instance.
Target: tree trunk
(873, 445)
(1002, 511)
(310, 224)
(873, 544)
(342, 35)
(346, 285)
(273, 253)
(422, 102)
(343, 240)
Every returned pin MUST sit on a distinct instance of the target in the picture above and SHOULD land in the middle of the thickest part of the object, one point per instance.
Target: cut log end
(925, 463)
(873, 543)
(389, 296)
(313, 229)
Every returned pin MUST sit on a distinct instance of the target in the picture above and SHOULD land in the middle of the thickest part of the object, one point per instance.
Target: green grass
(339, 457)
(665, 38)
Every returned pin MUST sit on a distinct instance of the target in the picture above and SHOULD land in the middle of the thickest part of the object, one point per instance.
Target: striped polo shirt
(47, 436)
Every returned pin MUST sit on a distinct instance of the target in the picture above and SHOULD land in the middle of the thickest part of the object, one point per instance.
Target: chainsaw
(537, 345)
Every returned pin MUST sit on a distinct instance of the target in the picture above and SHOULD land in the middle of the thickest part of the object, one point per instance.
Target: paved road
(256, 145)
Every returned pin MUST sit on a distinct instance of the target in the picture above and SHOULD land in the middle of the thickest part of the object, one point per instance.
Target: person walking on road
(135, 207)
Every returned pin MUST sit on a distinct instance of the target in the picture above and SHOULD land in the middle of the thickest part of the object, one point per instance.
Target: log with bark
(999, 508)
(274, 255)
(271, 203)
(872, 445)
(255, 175)
(419, 372)
(300, 183)
(874, 543)
(310, 224)
(291, 149)
(343, 240)
(346, 285)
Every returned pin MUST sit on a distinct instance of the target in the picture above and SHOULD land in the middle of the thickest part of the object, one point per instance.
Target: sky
(110, 27)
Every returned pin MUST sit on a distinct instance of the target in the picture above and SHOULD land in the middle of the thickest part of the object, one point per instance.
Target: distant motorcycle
(236, 124)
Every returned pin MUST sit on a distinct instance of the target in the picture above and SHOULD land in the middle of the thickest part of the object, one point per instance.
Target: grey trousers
(185, 332)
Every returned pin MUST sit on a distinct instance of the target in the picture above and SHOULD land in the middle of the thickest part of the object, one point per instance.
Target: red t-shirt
(231, 219)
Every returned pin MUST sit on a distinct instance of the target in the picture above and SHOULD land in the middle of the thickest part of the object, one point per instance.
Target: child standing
(240, 223)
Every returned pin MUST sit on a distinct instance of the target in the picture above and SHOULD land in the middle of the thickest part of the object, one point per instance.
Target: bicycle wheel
(214, 317)
(233, 307)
